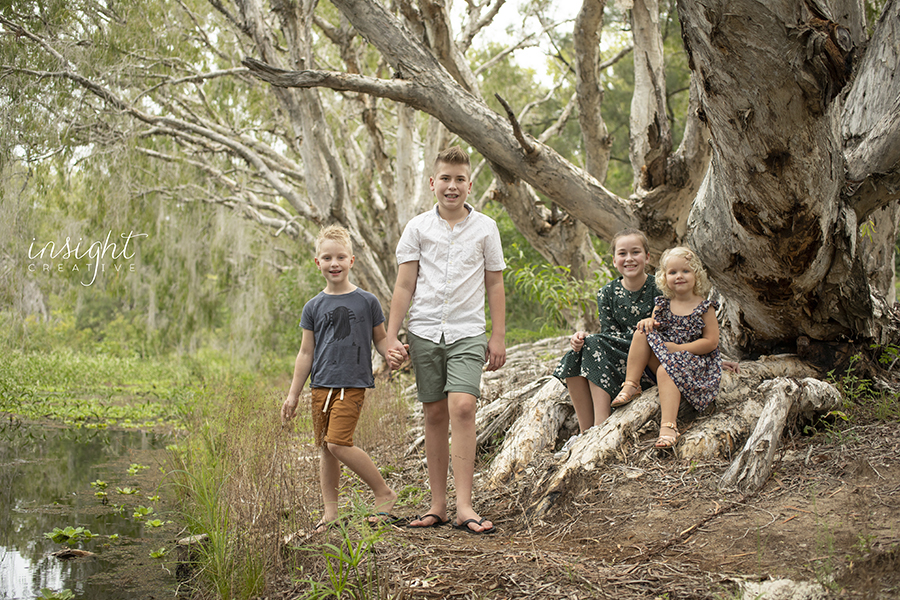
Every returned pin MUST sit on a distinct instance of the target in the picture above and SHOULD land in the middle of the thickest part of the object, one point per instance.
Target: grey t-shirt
(342, 330)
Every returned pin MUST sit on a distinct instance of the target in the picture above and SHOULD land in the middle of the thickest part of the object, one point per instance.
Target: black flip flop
(384, 518)
(438, 522)
(465, 527)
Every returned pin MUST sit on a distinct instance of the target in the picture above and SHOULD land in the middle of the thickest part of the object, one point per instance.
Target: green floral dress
(603, 357)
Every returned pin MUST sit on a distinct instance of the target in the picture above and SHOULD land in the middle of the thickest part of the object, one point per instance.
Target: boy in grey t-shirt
(339, 326)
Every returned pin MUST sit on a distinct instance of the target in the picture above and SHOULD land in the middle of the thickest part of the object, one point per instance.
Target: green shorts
(444, 368)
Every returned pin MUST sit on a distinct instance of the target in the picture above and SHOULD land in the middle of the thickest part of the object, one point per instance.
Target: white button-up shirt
(449, 296)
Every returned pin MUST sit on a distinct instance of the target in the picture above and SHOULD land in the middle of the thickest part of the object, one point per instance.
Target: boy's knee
(336, 449)
(463, 408)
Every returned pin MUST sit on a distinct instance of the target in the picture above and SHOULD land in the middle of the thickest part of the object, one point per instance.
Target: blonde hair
(630, 231)
(701, 281)
(334, 233)
(454, 155)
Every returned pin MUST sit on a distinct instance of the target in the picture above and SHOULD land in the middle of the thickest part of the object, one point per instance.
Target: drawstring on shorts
(328, 398)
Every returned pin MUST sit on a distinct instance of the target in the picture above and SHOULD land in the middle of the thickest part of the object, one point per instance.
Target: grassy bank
(251, 486)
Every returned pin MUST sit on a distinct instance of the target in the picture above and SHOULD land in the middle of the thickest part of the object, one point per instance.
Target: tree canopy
(296, 114)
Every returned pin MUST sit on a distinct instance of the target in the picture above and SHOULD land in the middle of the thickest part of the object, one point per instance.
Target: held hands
(577, 341)
(396, 356)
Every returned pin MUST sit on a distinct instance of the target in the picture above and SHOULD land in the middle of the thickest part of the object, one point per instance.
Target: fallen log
(716, 435)
(738, 407)
(787, 400)
(534, 430)
(599, 445)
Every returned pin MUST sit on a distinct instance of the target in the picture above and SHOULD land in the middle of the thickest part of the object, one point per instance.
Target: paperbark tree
(785, 156)
(308, 159)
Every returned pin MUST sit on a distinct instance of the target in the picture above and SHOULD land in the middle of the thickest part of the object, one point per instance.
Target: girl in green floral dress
(594, 369)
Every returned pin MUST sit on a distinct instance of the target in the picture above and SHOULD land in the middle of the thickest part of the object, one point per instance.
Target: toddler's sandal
(624, 397)
(667, 441)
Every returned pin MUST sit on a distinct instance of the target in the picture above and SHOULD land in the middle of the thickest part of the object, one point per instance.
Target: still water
(45, 483)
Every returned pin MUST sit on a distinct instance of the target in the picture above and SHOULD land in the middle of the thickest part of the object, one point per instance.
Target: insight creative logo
(60, 257)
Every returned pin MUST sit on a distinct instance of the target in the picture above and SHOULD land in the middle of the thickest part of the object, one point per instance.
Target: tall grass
(250, 484)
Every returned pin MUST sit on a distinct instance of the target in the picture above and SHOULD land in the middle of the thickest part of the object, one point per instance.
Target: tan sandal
(624, 397)
(667, 441)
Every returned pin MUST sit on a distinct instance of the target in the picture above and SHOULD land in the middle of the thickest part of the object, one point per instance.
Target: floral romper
(604, 355)
(696, 376)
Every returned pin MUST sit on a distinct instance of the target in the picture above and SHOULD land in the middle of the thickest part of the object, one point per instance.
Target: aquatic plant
(70, 535)
(135, 468)
(141, 511)
(49, 594)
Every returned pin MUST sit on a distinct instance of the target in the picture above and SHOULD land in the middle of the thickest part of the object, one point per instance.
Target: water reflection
(45, 476)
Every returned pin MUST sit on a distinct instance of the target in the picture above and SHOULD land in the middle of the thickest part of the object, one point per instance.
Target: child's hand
(731, 366)
(577, 341)
(288, 409)
(647, 325)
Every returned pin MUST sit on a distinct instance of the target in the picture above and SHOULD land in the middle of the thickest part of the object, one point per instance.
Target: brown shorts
(336, 422)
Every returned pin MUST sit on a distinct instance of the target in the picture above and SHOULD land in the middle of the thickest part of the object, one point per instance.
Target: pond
(46, 476)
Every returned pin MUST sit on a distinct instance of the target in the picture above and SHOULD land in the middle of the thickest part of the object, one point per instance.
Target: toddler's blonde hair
(701, 281)
(334, 233)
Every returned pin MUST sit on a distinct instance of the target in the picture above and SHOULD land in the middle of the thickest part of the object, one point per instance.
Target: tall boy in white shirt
(450, 259)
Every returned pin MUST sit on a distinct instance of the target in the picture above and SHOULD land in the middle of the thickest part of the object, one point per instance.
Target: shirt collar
(468, 206)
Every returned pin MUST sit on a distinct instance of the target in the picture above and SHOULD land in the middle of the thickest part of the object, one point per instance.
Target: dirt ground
(655, 526)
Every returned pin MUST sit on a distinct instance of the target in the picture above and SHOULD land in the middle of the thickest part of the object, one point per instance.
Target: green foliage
(160, 553)
(141, 512)
(70, 535)
(862, 400)
(49, 594)
(94, 390)
(560, 295)
(351, 564)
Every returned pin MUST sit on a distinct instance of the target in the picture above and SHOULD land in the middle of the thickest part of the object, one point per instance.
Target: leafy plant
(351, 564)
(127, 491)
(135, 468)
(70, 535)
(159, 553)
(99, 484)
(141, 511)
(49, 594)
(562, 297)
